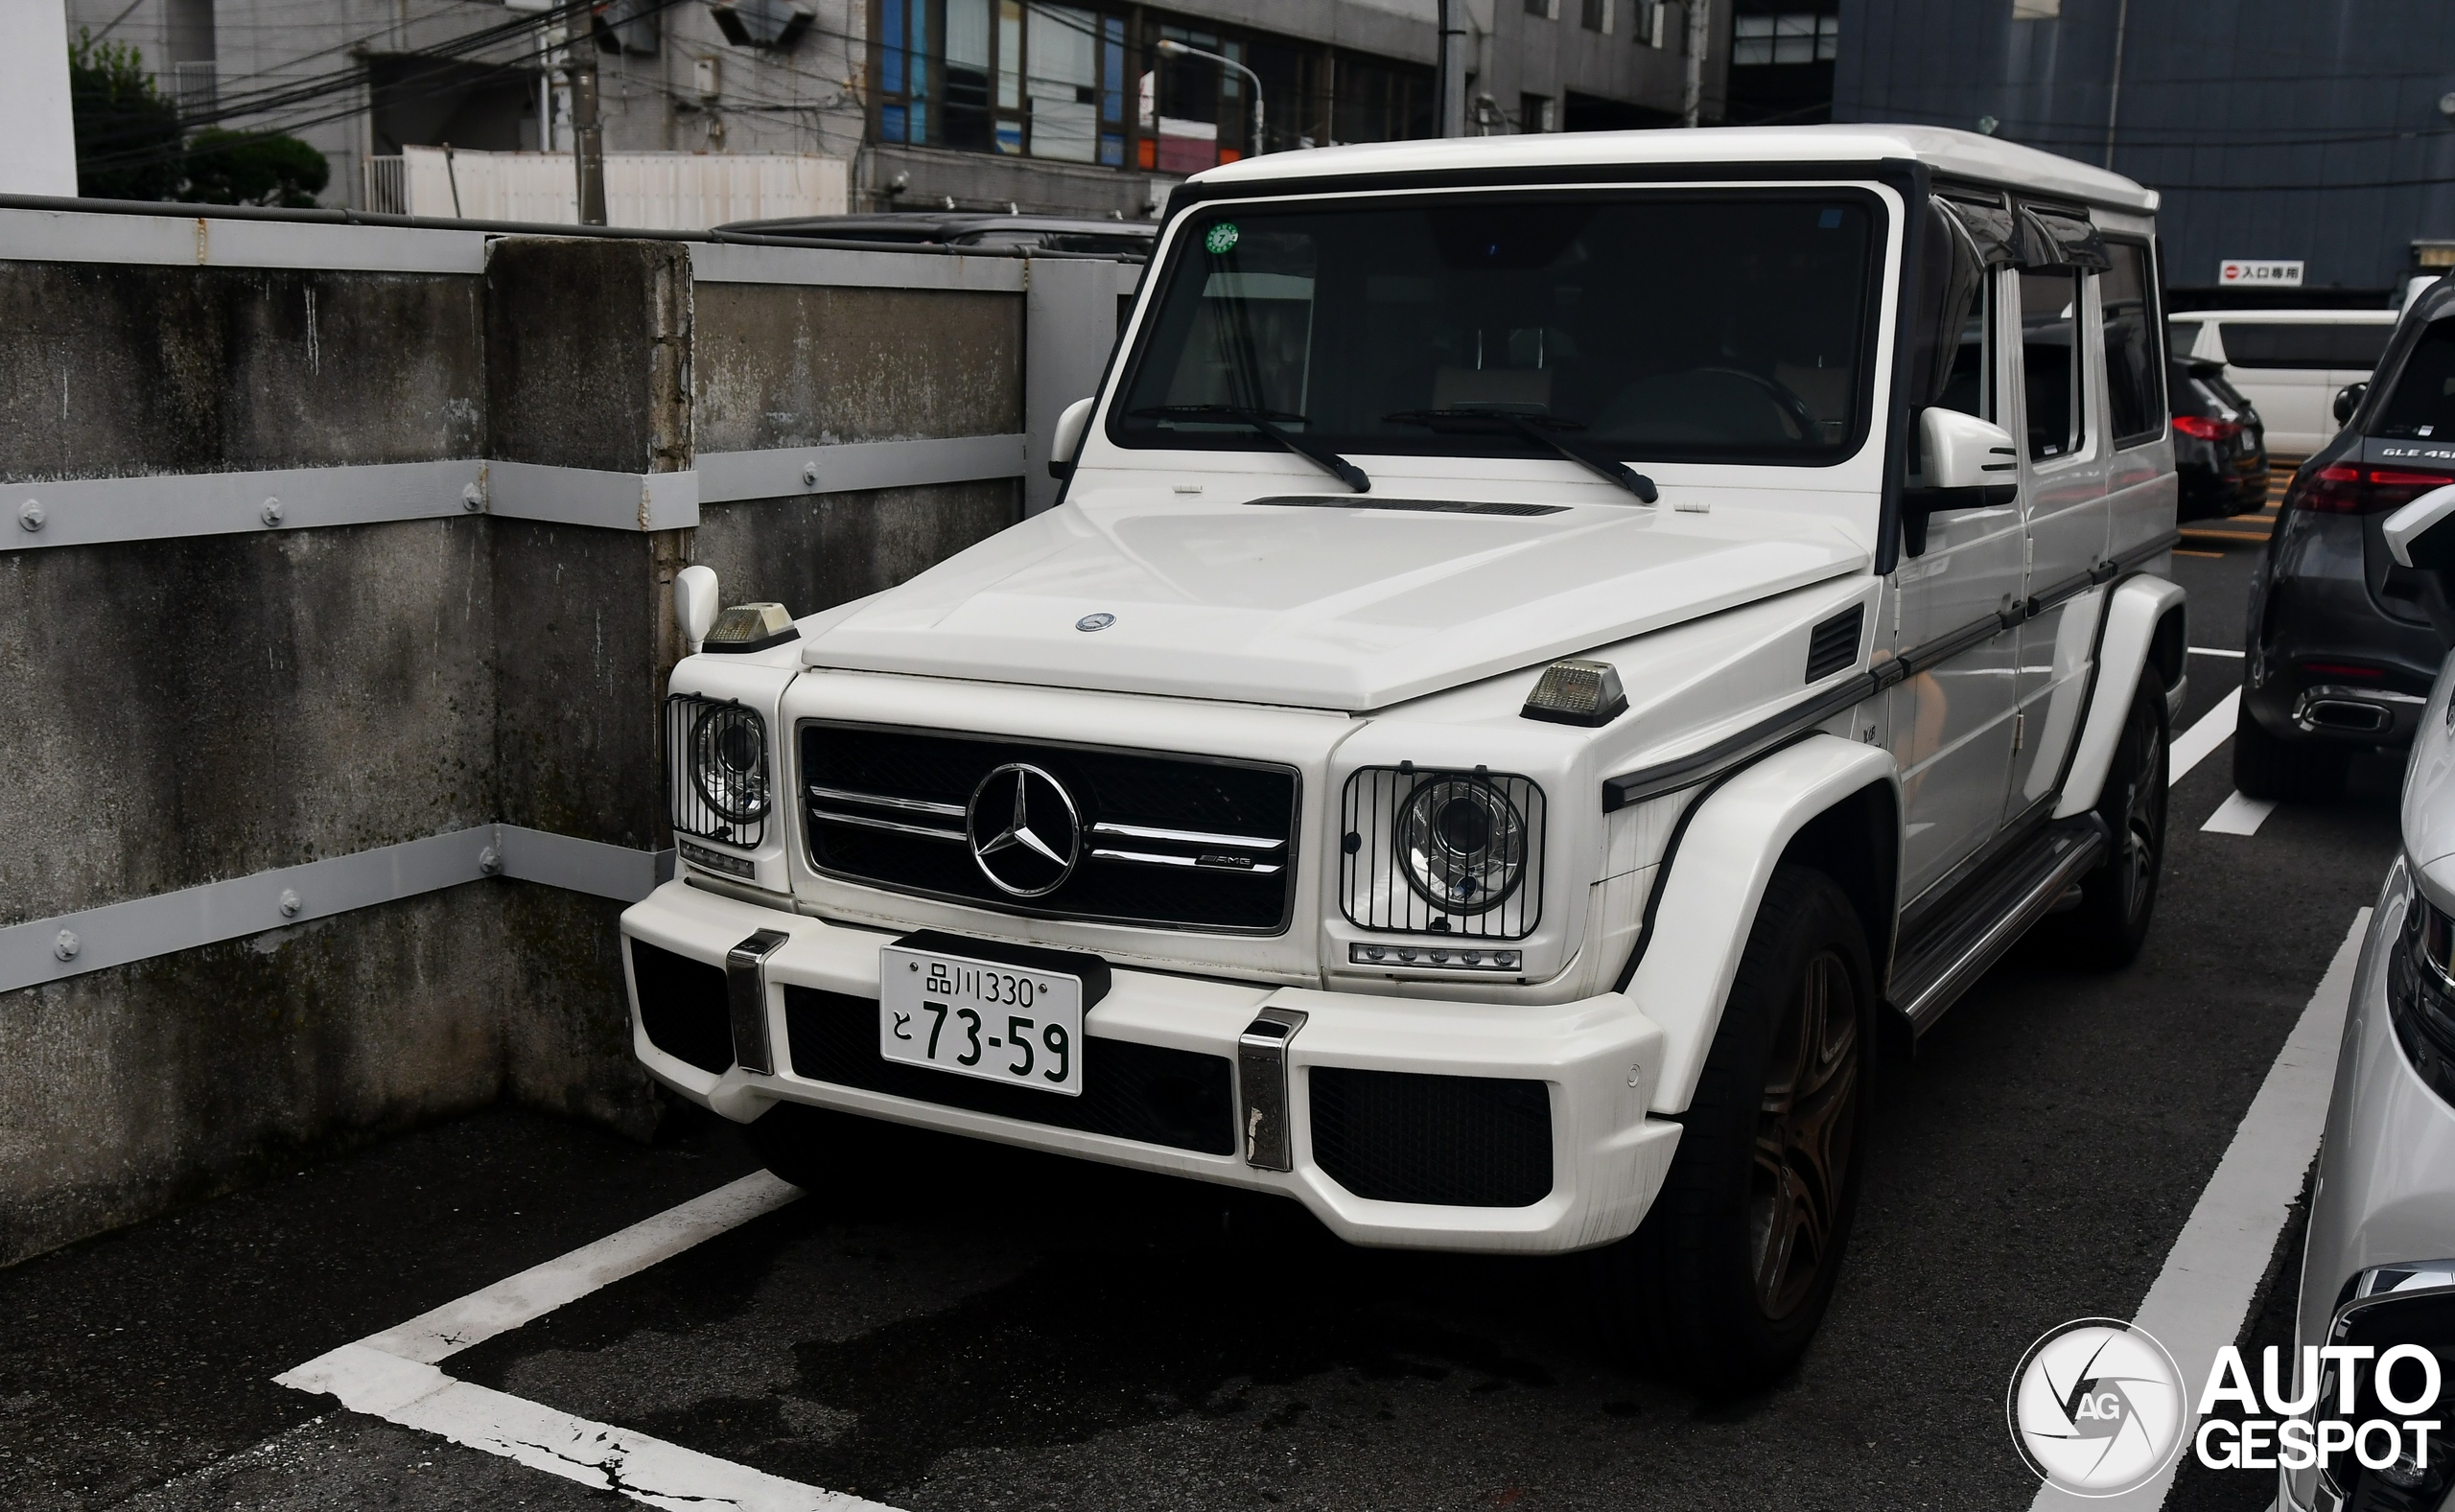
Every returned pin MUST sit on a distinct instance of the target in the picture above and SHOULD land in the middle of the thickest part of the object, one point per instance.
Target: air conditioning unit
(761, 23)
(628, 26)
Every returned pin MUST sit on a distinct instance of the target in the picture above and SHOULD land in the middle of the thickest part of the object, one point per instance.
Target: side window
(2260, 343)
(1966, 385)
(2181, 335)
(2049, 365)
(2134, 395)
(2422, 405)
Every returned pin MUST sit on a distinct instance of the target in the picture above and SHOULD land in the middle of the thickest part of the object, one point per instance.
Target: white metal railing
(386, 186)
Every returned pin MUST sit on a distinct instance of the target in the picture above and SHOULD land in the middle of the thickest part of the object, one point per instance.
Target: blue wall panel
(2276, 129)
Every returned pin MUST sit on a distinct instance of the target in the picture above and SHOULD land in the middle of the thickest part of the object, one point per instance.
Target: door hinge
(2020, 727)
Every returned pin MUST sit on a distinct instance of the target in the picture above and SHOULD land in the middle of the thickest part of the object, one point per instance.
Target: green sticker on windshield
(1221, 238)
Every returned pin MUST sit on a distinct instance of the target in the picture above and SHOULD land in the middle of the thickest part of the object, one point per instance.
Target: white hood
(1319, 607)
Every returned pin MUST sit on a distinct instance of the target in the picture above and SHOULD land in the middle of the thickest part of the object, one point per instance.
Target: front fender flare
(2134, 610)
(1716, 881)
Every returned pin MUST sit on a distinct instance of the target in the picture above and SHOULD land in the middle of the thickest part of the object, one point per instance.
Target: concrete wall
(179, 712)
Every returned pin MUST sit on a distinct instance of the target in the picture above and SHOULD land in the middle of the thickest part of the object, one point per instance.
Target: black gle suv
(2343, 645)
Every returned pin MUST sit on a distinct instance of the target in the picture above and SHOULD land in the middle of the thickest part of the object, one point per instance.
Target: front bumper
(1597, 1060)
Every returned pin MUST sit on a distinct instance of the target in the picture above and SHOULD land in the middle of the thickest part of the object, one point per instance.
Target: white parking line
(2215, 651)
(596, 1454)
(393, 1375)
(539, 1289)
(2215, 728)
(2239, 815)
(2197, 1304)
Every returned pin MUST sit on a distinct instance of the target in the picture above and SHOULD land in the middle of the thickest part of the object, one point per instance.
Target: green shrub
(128, 135)
(252, 167)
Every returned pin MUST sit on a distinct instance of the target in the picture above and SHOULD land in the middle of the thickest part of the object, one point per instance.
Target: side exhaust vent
(1833, 646)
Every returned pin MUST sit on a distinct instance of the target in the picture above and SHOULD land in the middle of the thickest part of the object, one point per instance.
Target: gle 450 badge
(2097, 1408)
(1220, 240)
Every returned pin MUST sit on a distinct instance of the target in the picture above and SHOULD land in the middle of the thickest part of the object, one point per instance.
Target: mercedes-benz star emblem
(1024, 830)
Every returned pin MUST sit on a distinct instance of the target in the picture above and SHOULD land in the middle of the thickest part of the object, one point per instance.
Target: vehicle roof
(931, 225)
(1960, 154)
(2288, 317)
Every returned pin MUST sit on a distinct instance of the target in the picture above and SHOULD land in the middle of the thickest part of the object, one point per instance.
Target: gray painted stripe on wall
(580, 496)
(782, 471)
(98, 511)
(69, 236)
(116, 934)
(742, 263)
(93, 511)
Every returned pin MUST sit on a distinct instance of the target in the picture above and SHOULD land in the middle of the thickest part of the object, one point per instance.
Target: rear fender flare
(1738, 833)
(2135, 611)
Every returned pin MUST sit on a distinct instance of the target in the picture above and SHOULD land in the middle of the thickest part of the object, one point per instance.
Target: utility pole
(1701, 31)
(588, 134)
(1453, 68)
(2113, 85)
(1176, 49)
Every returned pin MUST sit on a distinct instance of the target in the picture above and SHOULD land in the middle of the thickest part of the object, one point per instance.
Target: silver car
(2380, 1267)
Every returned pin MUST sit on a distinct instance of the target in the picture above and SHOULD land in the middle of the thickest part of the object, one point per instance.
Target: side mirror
(1967, 464)
(2418, 535)
(1961, 451)
(1068, 438)
(694, 604)
(2348, 400)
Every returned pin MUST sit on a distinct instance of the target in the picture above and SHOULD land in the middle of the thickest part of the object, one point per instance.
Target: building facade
(1090, 107)
(359, 80)
(2316, 132)
(989, 103)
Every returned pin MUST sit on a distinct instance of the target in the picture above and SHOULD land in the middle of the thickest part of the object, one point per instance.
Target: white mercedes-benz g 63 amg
(1552, 649)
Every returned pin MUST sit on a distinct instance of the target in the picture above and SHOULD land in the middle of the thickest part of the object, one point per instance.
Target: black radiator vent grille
(1395, 1136)
(1833, 646)
(1152, 1094)
(1185, 841)
(682, 1007)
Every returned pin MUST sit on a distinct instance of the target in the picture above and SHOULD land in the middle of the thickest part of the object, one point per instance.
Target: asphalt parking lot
(1013, 1331)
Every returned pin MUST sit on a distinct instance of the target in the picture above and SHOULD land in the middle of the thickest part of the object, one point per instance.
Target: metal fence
(387, 189)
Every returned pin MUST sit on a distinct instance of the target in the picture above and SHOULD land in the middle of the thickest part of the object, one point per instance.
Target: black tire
(2119, 899)
(1714, 1289)
(2285, 771)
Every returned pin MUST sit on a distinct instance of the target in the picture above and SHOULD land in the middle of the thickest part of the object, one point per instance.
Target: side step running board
(1930, 972)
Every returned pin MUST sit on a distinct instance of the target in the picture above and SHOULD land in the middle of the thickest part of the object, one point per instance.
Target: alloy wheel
(2143, 814)
(1803, 1131)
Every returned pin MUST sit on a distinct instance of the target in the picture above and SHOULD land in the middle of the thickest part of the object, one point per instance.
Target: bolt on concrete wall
(179, 712)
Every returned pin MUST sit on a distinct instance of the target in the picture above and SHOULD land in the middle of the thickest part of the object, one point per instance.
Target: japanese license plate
(981, 1019)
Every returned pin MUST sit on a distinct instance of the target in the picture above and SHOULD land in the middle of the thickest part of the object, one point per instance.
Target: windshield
(1726, 327)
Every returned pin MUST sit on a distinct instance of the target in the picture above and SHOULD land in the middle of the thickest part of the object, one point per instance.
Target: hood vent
(1429, 507)
(1833, 646)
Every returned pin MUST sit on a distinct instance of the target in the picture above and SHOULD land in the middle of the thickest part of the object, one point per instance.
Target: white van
(2288, 363)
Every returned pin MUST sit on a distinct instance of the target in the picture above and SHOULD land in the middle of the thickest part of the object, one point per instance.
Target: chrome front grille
(1179, 841)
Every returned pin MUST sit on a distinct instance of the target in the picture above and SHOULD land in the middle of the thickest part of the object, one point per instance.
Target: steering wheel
(1782, 395)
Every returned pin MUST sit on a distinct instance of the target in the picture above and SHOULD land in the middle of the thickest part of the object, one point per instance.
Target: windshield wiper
(1538, 430)
(1260, 420)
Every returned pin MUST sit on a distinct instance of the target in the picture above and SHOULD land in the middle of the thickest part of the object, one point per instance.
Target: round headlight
(728, 762)
(1462, 845)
